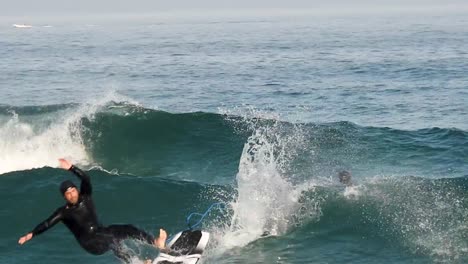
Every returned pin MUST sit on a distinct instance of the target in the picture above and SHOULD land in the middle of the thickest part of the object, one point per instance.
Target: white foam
(27, 144)
(352, 192)
(24, 146)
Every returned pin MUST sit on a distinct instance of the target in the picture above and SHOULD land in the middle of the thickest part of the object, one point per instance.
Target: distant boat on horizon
(22, 26)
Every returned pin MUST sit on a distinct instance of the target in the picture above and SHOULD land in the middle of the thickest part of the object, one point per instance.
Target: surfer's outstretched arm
(86, 187)
(42, 227)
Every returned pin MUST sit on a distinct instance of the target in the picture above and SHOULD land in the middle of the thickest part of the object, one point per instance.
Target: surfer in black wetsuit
(79, 215)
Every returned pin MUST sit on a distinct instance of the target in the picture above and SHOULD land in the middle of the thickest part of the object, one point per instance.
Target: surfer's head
(69, 191)
(345, 177)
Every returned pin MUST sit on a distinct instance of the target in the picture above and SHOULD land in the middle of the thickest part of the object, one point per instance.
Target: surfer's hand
(25, 238)
(65, 164)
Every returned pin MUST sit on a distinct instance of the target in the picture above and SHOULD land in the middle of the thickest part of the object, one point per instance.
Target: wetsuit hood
(65, 185)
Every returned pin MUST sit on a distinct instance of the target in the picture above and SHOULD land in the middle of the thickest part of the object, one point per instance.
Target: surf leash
(219, 206)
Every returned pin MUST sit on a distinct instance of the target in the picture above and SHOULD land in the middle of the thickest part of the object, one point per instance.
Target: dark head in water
(345, 177)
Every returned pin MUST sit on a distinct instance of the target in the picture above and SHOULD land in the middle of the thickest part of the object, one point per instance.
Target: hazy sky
(63, 7)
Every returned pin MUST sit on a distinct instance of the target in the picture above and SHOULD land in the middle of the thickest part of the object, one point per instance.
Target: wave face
(408, 202)
(137, 140)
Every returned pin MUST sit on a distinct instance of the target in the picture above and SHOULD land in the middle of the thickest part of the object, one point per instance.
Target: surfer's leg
(97, 244)
(121, 232)
(113, 236)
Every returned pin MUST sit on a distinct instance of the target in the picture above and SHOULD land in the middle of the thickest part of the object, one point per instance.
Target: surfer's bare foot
(148, 261)
(160, 242)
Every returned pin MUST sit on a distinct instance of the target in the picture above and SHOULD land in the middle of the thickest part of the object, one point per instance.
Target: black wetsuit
(82, 221)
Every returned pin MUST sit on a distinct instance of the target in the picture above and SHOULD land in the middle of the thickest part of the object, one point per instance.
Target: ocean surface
(171, 115)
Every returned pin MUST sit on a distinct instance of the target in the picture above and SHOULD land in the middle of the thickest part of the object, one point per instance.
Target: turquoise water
(169, 117)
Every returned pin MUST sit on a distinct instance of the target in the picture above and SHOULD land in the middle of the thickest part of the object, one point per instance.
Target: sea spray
(426, 216)
(267, 199)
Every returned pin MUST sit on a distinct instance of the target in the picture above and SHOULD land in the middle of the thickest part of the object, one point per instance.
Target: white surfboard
(185, 248)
